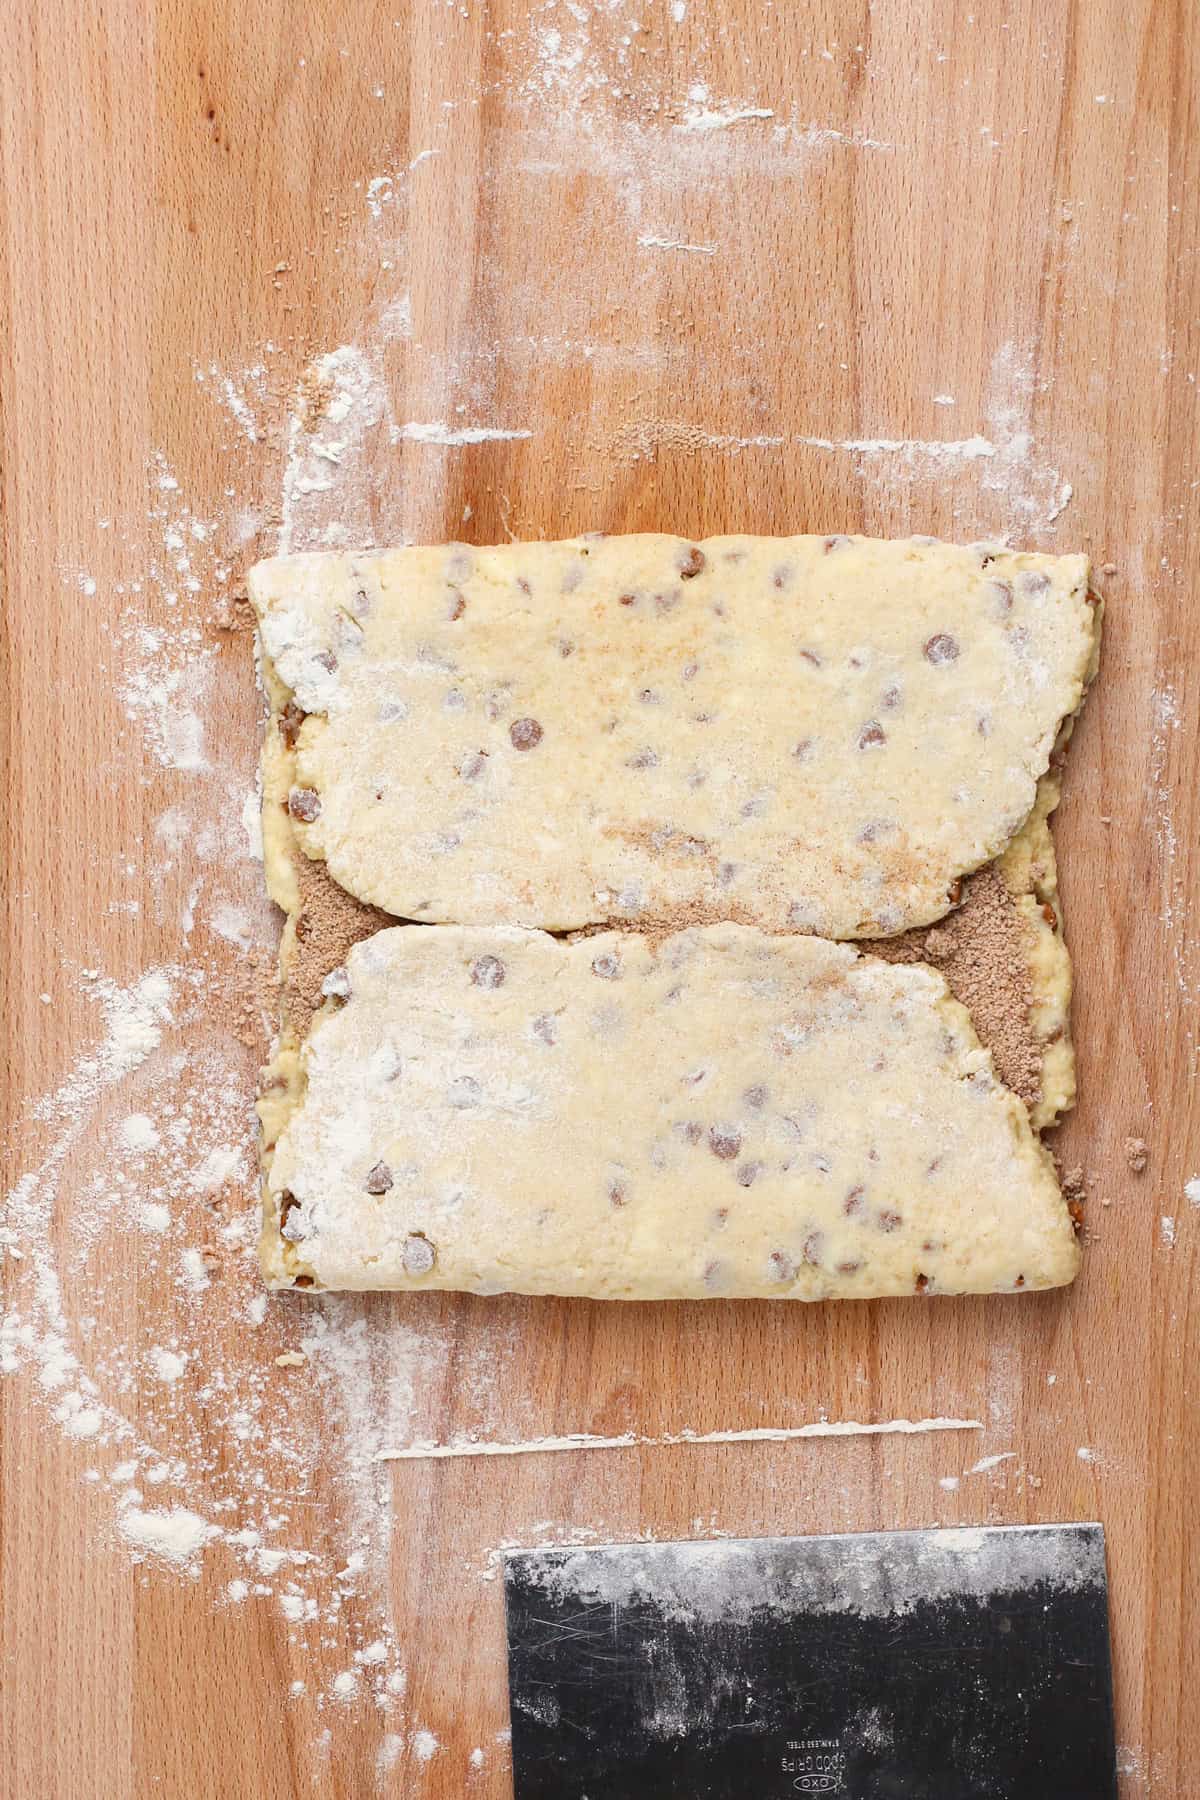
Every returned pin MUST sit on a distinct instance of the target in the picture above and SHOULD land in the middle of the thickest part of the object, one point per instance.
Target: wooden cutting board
(716, 265)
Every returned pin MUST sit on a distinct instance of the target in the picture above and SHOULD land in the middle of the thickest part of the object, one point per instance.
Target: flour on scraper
(806, 734)
(721, 1112)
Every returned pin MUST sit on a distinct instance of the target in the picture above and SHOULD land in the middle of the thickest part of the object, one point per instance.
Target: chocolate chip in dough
(418, 1255)
(488, 972)
(525, 734)
(304, 804)
(724, 1141)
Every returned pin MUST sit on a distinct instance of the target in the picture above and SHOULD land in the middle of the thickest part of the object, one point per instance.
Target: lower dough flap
(716, 1113)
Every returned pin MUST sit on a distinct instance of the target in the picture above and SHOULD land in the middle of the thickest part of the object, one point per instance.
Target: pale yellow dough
(808, 734)
(723, 1113)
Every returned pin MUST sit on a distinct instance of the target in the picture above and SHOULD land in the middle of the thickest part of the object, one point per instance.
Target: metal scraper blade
(906, 1665)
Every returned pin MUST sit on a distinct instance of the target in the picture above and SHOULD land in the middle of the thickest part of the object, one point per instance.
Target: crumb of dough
(313, 394)
(1074, 1188)
(234, 613)
(256, 999)
(1137, 1155)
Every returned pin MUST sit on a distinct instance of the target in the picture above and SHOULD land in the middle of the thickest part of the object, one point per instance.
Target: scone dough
(808, 734)
(717, 1113)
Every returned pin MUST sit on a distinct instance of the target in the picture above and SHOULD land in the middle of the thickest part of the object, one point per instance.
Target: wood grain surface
(997, 204)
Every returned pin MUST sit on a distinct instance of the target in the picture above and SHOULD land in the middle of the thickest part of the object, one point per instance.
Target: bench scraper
(907, 1665)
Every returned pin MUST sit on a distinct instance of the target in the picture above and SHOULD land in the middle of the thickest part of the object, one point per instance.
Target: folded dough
(719, 1112)
(357, 647)
(809, 734)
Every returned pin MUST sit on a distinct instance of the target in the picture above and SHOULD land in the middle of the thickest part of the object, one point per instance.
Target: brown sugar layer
(329, 921)
(982, 950)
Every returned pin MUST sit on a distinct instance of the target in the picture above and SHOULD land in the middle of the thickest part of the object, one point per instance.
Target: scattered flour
(1031, 493)
(139, 1133)
(331, 430)
(177, 1535)
(222, 1163)
(395, 321)
(878, 1575)
(701, 115)
(237, 405)
(987, 1463)
(243, 395)
(1166, 1232)
(425, 1451)
(233, 924)
(1031, 490)
(388, 1754)
(425, 1746)
(252, 824)
(168, 1365)
(910, 450)
(455, 436)
(194, 1271)
(163, 690)
(664, 243)
(77, 1418)
(145, 1148)
(1174, 903)
(380, 193)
